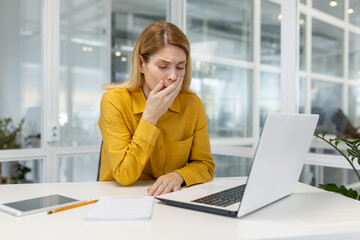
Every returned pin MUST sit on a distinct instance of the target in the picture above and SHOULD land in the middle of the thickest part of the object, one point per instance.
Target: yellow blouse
(135, 149)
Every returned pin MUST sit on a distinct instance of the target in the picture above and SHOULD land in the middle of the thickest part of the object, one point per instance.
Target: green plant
(9, 133)
(351, 154)
(21, 171)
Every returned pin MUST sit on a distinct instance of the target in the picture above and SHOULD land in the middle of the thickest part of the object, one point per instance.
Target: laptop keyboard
(224, 198)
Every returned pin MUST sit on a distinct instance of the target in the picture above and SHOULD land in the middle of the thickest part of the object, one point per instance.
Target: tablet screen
(41, 202)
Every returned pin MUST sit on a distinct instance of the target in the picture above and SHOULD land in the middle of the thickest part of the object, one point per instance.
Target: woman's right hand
(159, 101)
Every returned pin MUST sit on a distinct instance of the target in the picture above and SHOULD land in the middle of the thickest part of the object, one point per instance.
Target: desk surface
(309, 213)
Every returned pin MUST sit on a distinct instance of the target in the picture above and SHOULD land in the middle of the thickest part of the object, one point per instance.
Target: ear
(141, 63)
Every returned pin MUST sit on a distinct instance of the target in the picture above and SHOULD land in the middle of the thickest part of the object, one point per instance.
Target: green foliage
(9, 140)
(332, 187)
(351, 154)
(9, 133)
(21, 171)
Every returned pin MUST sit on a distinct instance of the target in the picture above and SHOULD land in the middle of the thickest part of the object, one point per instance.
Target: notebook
(110, 208)
(275, 171)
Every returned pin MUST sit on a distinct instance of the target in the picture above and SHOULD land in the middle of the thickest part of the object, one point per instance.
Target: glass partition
(94, 36)
(220, 36)
(80, 168)
(315, 175)
(302, 43)
(354, 56)
(333, 8)
(302, 95)
(221, 28)
(270, 95)
(354, 12)
(270, 33)
(230, 166)
(327, 49)
(128, 19)
(326, 100)
(353, 123)
(83, 70)
(21, 171)
(20, 74)
(226, 95)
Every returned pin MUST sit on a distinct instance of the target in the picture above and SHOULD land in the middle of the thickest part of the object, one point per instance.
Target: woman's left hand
(170, 182)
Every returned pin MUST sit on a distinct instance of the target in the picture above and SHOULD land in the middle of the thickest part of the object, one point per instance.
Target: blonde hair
(155, 37)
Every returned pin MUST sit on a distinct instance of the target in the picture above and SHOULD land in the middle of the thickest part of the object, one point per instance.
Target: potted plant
(21, 171)
(9, 139)
(9, 133)
(352, 155)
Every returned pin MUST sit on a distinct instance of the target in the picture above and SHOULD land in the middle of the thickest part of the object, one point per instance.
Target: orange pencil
(72, 206)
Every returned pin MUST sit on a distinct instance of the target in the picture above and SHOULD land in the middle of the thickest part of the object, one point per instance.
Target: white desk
(309, 213)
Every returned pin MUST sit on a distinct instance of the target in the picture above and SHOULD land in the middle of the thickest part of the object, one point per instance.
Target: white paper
(120, 209)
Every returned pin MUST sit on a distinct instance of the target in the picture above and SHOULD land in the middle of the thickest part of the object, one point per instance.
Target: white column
(51, 32)
(177, 13)
(256, 71)
(289, 56)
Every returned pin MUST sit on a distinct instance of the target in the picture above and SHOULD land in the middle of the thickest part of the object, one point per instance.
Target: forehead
(169, 53)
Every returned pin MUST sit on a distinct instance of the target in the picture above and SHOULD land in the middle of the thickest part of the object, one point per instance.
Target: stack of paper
(118, 208)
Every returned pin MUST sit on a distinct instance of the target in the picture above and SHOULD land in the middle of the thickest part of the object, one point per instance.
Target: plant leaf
(331, 187)
(324, 133)
(343, 190)
(352, 193)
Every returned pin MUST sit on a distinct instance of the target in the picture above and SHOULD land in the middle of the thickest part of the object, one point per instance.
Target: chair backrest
(98, 175)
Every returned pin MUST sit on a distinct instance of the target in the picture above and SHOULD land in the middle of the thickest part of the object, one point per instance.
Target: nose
(172, 75)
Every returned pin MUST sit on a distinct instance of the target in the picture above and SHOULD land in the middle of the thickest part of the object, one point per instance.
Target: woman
(153, 126)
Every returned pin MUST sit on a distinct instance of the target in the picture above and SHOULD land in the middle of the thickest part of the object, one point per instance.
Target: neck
(146, 91)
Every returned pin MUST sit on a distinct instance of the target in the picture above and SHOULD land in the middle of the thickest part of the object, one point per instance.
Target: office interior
(57, 55)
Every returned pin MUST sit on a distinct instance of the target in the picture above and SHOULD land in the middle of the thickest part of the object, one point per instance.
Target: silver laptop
(274, 174)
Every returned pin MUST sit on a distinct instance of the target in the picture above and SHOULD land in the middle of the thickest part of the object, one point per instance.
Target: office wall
(236, 62)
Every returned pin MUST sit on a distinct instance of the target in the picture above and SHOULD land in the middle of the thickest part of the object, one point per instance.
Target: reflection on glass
(354, 56)
(302, 95)
(354, 12)
(29, 171)
(315, 175)
(303, 1)
(302, 42)
(21, 68)
(227, 96)
(333, 8)
(327, 49)
(229, 166)
(84, 62)
(128, 19)
(83, 54)
(78, 168)
(270, 33)
(221, 28)
(326, 100)
(269, 94)
(354, 110)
